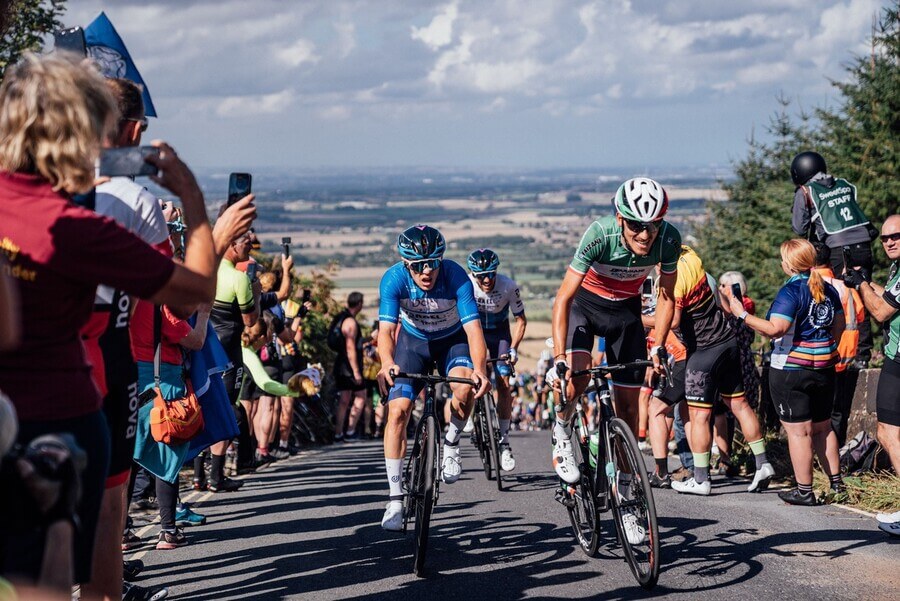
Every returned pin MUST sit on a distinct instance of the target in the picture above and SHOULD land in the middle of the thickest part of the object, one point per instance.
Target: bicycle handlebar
(498, 359)
(605, 369)
(432, 379)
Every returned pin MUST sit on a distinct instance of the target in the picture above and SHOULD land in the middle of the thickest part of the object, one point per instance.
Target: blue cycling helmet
(482, 260)
(421, 242)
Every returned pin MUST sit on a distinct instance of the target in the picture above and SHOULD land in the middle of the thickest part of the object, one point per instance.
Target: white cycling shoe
(761, 478)
(393, 517)
(564, 461)
(691, 487)
(470, 426)
(888, 518)
(507, 461)
(634, 531)
(450, 467)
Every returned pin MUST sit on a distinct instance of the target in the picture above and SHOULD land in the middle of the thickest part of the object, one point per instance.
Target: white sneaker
(450, 467)
(634, 531)
(888, 518)
(470, 426)
(507, 461)
(564, 461)
(761, 478)
(672, 445)
(393, 517)
(691, 487)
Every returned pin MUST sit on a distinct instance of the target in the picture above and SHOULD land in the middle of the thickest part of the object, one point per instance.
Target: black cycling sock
(701, 474)
(217, 469)
(806, 489)
(836, 481)
(199, 474)
(662, 467)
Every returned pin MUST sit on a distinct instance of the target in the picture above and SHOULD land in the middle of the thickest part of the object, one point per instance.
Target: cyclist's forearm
(386, 345)
(519, 334)
(665, 312)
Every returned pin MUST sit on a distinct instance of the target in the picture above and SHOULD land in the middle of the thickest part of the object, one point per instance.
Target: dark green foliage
(28, 21)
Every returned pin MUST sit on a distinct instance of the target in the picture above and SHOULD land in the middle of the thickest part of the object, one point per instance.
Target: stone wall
(862, 413)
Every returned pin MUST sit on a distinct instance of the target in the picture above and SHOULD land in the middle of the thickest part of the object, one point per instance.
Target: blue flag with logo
(106, 47)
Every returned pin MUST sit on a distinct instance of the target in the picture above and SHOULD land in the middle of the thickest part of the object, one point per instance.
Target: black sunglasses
(485, 275)
(143, 123)
(892, 237)
(639, 226)
(419, 266)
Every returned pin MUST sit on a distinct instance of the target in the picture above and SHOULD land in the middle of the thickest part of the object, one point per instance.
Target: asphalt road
(309, 528)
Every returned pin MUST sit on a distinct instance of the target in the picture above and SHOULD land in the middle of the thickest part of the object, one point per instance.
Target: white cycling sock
(562, 429)
(454, 430)
(394, 468)
(504, 431)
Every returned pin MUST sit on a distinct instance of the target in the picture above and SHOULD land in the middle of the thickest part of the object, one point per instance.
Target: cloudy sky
(469, 83)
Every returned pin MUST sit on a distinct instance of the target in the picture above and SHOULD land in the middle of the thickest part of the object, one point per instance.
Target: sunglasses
(890, 237)
(420, 266)
(639, 226)
(485, 275)
(143, 123)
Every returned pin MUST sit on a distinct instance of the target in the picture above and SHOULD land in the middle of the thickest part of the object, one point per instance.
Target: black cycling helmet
(483, 260)
(421, 242)
(805, 165)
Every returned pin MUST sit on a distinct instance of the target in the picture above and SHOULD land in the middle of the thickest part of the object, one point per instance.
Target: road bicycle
(613, 478)
(421, 477)
(486, 436)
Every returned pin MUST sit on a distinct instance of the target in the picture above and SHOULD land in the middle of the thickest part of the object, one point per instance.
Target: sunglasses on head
(639, 226)
(485, 275)
(419, 266)
(892, 237)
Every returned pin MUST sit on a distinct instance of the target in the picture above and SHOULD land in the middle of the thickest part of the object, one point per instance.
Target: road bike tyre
(426, 498)
(411, 480)
(643, 559)
(493, 439)
(482, 438)
(584, 516)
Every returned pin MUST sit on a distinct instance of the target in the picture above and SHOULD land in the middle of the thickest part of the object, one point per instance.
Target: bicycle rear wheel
(583, 512)
(493, 439)
(634, 511)
(425, 494)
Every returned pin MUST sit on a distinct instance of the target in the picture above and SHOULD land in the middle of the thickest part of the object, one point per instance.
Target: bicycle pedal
(564, 499)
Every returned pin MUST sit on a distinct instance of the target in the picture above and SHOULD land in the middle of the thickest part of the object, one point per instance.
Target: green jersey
(836, 206)
(611, 270)
(234, 298)
(892, 326)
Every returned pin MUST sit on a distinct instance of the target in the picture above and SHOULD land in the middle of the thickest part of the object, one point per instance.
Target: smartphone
(286, 245)
(647, 289)
(129, 161)
(736, 291)
(251, 271)
(848, 260)
(70, 40)
(307, 294)
(239, 185)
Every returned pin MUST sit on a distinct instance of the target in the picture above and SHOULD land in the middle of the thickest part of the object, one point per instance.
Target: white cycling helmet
(641, 199)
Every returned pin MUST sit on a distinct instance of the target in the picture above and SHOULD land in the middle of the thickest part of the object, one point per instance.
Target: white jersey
(494, 306)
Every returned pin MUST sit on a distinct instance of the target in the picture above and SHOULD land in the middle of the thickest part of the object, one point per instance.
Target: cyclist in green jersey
(884, 305)
(601, 296)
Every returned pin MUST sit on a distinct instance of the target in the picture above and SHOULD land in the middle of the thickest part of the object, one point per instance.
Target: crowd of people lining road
(138, 340)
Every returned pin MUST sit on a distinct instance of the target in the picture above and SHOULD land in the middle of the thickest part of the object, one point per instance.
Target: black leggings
(167, 497)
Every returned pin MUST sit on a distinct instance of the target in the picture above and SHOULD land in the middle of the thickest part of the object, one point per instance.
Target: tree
(27, 22)
(864, 131)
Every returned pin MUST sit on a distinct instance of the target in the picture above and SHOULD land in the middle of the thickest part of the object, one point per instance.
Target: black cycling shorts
(712, 373)
(619, 322)
(250, 391)
(498, 341)
(887, 399)
(675, 393)
(802, 395)
(120, 406)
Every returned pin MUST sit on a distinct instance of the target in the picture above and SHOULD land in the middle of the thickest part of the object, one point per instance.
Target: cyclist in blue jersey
(433, 303)
(497, 295)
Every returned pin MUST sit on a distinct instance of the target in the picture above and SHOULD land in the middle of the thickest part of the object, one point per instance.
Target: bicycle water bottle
(593, 446)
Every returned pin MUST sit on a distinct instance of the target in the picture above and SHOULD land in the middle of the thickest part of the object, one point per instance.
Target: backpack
(335, 338)
(858, 455)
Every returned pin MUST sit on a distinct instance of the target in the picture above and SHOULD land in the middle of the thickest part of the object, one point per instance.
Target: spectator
(292, 362)
(371, 367)
(805, 322)
(854, 313)
(825, 209)
(51, 129)
(253, 339)
(883, 304)
(348, 367)
(745, 336)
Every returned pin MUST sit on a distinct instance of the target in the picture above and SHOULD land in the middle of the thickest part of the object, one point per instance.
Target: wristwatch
(743, 316)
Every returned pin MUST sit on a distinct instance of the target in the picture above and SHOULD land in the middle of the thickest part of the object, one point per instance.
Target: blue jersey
(808, 344)
(431, 314)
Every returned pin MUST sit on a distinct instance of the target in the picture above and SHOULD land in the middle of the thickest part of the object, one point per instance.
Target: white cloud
(245, 106)
(335, 113)
(346, 32)
(439, 32)
(301, 51)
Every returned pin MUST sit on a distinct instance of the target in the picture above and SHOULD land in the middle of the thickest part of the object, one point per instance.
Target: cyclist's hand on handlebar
(513, 356)
(660, 358)
(386, 376)
(555, 373)
(482, 384)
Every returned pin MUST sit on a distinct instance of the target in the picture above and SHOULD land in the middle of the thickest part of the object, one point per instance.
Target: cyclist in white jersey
(497, 295)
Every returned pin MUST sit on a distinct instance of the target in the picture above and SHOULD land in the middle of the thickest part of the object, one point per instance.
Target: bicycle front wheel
(425, 494)
(482, 437)
(634, 511)
(493, 439)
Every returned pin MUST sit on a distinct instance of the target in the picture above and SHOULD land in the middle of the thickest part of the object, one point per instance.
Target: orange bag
(179, 420)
